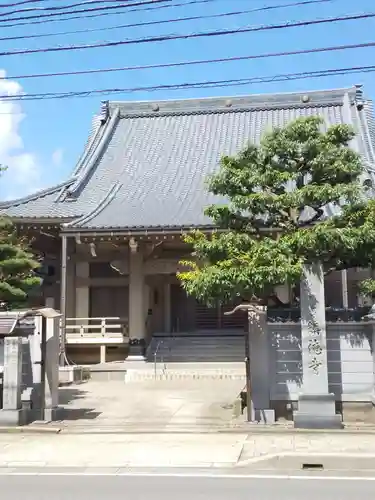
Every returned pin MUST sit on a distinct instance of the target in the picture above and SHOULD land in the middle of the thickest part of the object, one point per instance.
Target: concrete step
(218, 348)
(220, 373)
(195, 358)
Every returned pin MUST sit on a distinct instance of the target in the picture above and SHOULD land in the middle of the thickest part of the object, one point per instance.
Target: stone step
(197, 349)
(195, 359)
(160, 375)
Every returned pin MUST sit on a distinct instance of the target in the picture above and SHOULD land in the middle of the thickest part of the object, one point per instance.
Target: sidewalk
(166, 450)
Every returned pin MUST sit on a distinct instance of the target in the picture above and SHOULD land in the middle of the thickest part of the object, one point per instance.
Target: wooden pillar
(167, 308)
(63, 303)
(137, 318)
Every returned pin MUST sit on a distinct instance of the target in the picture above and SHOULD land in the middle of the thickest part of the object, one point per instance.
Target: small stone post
(316, 406)
(12, 412)
(51, 372)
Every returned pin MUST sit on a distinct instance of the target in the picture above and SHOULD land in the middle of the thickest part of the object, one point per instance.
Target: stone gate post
(316, 406)
(260, 370)
(12, 412)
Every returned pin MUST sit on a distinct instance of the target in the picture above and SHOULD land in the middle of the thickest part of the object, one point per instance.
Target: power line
(23, 2)
(195, 85)
(93, 9)
(163, 38)
(193, 62)
(165, 21)
(51, 7)
(102, 14)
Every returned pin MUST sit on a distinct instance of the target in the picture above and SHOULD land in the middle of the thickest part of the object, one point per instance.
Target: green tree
(17, 267)
(296, 198)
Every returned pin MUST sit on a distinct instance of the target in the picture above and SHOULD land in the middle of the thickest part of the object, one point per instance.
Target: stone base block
(70, 375)
(52, 414)
(136, 357)
(317, 411)
(14, 417)
(266, 416)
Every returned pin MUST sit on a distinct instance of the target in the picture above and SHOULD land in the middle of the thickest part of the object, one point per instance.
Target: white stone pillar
(344, 289)
(51, 372)
(12, 413)
(137, 316)
(82, 292)
(316, 406)
(103, 353)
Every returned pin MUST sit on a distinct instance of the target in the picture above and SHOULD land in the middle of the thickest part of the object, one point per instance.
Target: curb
(123, 430)
(249, 430)
(312, 459)
(29, 430)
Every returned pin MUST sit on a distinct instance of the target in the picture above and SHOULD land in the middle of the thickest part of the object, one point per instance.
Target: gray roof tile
(146, 166)
(41, 205)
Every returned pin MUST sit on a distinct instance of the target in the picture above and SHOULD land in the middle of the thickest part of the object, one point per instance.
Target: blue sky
(41, 141)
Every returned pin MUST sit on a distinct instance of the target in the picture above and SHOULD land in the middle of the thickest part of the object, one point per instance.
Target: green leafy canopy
(279, 194)
(17, 266)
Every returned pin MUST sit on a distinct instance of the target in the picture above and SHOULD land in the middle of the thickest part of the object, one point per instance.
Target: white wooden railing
(97, 331)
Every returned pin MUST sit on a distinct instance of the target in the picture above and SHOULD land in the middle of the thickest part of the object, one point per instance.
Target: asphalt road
(96, 487)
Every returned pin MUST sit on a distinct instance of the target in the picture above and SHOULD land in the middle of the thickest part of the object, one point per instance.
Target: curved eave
(102, 205)
(35, 196)
(41, 221)
(70, 230)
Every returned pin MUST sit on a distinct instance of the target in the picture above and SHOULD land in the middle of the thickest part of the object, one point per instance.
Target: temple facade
(110, 234)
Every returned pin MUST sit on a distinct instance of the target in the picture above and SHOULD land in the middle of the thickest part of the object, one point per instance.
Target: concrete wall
(350, 361)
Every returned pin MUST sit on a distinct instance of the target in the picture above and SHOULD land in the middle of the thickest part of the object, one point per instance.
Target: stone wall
(351, 361)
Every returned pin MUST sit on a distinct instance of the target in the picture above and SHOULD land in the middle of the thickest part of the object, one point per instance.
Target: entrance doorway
(109, 302)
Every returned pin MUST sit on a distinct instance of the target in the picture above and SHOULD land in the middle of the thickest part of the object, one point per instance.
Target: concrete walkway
(181, 450)
(120, 450)
(150, 406)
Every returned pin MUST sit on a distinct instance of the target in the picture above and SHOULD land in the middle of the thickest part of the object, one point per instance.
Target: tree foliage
(296, 198)
(17, 267)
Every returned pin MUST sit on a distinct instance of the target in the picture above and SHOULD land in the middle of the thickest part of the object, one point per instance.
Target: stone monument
(316, 405)
(12, 412)
(30, 369)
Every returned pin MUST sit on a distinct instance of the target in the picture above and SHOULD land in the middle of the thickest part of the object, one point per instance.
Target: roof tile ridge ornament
(363, 116)
(91, 163)
(104, 112)
(359, 99)
(103, 203)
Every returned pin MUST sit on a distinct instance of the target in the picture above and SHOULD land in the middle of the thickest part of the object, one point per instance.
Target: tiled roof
(42, 205)
(146, 163)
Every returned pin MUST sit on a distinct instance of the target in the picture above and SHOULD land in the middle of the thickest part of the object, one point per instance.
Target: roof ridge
(93, 133)
(233, 104)
(342, 90)
(103, 203)
(92, 157)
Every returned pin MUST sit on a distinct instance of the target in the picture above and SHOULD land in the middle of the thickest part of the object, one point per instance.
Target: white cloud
(23, 175)
(57, 157)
